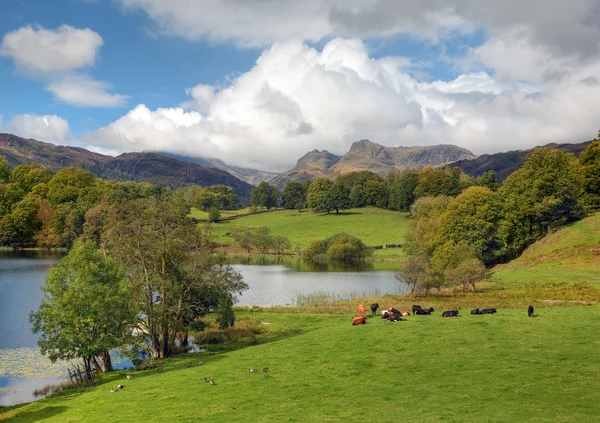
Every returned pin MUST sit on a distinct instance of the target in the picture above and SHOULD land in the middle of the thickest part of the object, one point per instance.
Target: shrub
(315, 250)
(214, 215)
(347, 249)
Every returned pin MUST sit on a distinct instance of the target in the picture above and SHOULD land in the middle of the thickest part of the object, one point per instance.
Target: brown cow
(359, 320)
(362, 310)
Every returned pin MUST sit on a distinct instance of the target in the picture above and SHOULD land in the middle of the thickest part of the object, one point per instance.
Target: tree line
(40, 208)
(452, 240)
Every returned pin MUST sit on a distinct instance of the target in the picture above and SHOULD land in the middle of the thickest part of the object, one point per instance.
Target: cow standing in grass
(530, 311)
(374, 308)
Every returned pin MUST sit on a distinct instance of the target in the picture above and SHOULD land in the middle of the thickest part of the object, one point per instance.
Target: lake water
(23, 369)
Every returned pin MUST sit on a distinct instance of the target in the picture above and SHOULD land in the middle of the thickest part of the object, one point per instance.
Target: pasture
(570, 254)
(372, 225)
(494, 368)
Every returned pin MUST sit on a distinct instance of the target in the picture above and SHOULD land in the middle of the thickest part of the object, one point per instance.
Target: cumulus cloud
(49, 128)
(297, 98)
(39, 50)
(55, 55)
(83, 91)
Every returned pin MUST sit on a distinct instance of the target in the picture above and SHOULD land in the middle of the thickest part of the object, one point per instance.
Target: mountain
(251, 176)
(148, 167)
(314, 164)
(367, 155)
(506, 163)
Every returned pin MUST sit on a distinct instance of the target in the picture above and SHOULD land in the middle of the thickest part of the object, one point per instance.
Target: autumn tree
(590, 160)
(265, 195)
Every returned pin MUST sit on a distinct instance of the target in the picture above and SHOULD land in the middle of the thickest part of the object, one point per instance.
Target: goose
(201, 362)
(129, 377)
(212, 382)
(205, 379)
(159, 369)
(114, 390)
(266, 369)
(120, 386)
(252, 370)
(189, 364)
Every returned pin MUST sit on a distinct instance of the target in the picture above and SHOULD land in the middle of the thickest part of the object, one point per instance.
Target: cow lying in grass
(359, 320)
(484, 311)
(424, 311)
(450, 313)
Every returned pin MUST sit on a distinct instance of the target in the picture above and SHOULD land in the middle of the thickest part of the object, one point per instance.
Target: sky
(258, 83)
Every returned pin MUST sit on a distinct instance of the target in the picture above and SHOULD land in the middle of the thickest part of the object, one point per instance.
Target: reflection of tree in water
(301, 265)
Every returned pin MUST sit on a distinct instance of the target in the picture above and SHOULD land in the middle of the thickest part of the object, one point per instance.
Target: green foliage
(436, 182)
(347, 249)
(262, 241)
(475, 217)
(342, 248)
(402, 189)
(264, 195)
(366, 188)
(205, 198)
(546, 192)
(4, 169)
(294, 196)
(226, 316)
(317, 194)
(590, 160)
(337, 199)
(86, 307)
(19, 227)
(166, 255)
(214, 215)
(489, 180)
(68, 184)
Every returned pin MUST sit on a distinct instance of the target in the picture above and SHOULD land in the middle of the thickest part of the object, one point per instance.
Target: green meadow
(492, 368)
(372, 225)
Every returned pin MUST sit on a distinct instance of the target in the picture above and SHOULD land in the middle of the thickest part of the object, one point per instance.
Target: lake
(272, 282)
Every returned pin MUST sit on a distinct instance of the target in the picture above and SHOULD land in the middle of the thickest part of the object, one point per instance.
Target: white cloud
(297, 98)
(49, 128)
(83, 91)
(43, 51)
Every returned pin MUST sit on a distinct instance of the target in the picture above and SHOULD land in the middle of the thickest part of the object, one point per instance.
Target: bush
(347, 249)
(315, 250)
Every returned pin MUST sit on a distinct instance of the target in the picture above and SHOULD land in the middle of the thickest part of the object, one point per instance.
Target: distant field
(562, 256)
(372, 225)
(501, 368)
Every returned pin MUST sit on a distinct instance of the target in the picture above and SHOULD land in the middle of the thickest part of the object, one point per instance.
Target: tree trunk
(105, 362)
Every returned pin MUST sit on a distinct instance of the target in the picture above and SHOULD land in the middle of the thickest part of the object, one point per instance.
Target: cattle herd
(394, 315)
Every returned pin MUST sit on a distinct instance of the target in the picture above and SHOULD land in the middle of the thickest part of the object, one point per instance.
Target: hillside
(147, 167)
(367, 155)
(471, 369)
(571, 254)
(372, 225)
(506, 163)
(251, 176)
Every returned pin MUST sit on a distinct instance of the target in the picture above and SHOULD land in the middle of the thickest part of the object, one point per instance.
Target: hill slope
(506, 163)
(367, 155)
(570, 254)
(251, 176)
(148, 167)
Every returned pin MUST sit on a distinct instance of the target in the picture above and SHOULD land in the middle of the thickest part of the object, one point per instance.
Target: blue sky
(277, 76)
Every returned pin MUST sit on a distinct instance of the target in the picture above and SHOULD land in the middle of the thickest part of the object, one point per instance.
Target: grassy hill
(496, 368)
(372, 225)
(562, 256)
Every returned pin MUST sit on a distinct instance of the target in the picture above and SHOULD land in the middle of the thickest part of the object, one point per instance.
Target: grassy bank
(500, 368)
(567, 255)
(372, 225)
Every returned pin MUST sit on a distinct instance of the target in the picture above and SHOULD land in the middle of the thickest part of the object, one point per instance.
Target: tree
(214, 215)
(174, 273)
(435, 182)
(46, 237)
(467, 273)
(475, 217)
(85, 311)
(4, 169)
(294, 196)
(337, 199)
(345, 248)
(489, 180)
(416, 273)
(280, 244)
(19, 227)
(264, 195)
(547, 191)
(402, 189)
(590, 160)
(317, 194)
(366, 188)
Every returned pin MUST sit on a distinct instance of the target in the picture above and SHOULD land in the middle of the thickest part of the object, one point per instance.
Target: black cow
(395, 316)
(385, 315)
(476, 311)
(426, 311)
(530, 311)
(488, 311)
(374, 308)
(416, 308)
(450, 313)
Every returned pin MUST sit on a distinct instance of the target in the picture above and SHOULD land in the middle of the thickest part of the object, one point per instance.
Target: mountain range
(148, 167)
(367, 155)
(506, 163)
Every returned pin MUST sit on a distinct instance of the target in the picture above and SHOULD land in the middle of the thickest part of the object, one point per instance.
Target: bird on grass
(201, 363)
(159, 369)
(189, 364)
(266, 369)
(212, 382)
(129, 377)
(120, 386)
(114, 390)
(205, 379)
(252, 370)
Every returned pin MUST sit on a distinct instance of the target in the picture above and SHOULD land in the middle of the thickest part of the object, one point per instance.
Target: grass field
(495, 368)
(372, 225)
(562, 256)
